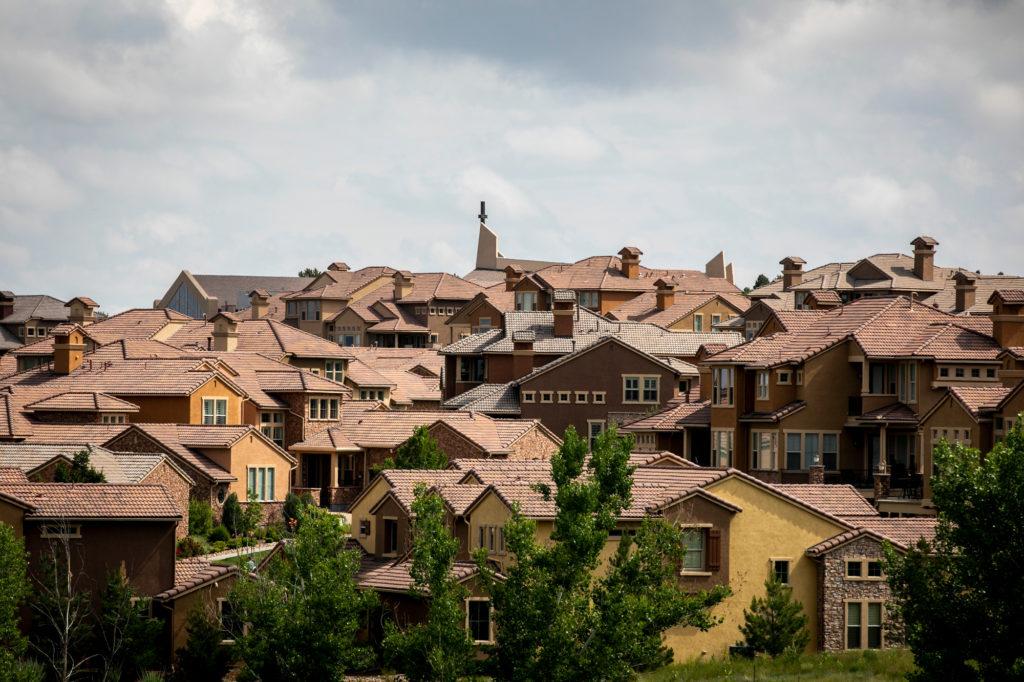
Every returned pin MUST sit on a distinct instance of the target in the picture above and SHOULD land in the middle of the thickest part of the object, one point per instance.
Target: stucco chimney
(259, 303)
(339, 266)
(513, 273)
(966, 291)
(1008, 317)
(403, 284)
(564, 310)
(728, 273)
(630, 256)
(68, 348)
(666, 293)
(225, 332)
(924, 257)
(81, 310)
(522, 353)
(792, 271)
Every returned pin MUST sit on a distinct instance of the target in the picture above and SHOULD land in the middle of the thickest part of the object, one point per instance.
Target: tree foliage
(14, 587)
(232, 516)
(440, 648)
(293, 507)
(775, 624)
(127, 634)
(310, 272)
(305, 612)
(961, 598)
(204, 658)
(80, 470)
(761, 280)
(421, 451)
(554, 619)
(200, 517)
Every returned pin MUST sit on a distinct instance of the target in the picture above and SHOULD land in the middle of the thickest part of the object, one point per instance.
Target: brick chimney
(338, 266)
(792, 271)
(1008, 317)
(225, 332)
(6, 304)
(522, 353)
(966, 290)
(826, 299)
(81, 310)
(259, 303)
(68, 348)
(666, 293)
(924, 257)
(403, 284)
(513, 273)
(564, 310)
(630, 256)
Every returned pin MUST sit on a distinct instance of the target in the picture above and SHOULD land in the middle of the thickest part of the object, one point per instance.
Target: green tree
(554, 619)
(200, 517)
(310, 272)
(232, 516)
(293, 506)
(128, 635)
(761, 280)
(80, 470)
(14, 587)
(204, 658)
(252, 515)
(305, 612)
(440, 648)
(421, 451)
(961, 597)
(776, 623)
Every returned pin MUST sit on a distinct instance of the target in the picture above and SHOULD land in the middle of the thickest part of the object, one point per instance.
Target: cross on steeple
(483, 212)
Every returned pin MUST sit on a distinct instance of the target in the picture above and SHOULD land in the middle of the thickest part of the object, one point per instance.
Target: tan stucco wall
(251, 451)
(361, 510)
(215, 388)
(204, 598)
(713, 307)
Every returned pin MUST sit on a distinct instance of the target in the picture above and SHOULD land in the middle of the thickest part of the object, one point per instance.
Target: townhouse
(202, 296)
(25, 319)
(824, 541)
(315, 306)
(682, 311)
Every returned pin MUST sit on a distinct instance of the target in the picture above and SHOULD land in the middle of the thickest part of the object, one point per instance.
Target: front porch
(891, 446)
(332, 479)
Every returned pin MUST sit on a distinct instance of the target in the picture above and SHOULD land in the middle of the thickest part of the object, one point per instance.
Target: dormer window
(526, 301)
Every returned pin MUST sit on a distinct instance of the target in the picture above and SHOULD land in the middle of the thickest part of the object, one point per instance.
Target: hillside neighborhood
(787, 431)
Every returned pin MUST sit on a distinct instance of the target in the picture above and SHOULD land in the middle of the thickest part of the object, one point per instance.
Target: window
(722, 386)
(229, 624)
(581, 396)
(975, 372)
(908, 382)
(990, 373)
(547, 396)
(853, 626)
(793, 451)
(780, 567)
(762, 385)
(830, 451)
(390, 536)
(799, 377)
(349, 339)
(433, 338)
(261, 483)
(433, 310)
(874, 625)
(959, 372)
(811, 451)
(485, 323)
(715, 319)
(491, 538)
(112, 419)
(599, 397)
(763, 450)
(31, 331)
(60, 530)
(651, 389)
(478, 620)
(335, 370)
(21, 332)
(528, 396)
(693, 540)
(751, 328)
(861, 632)
(321, 409)
(365, 526)
(272, 426)
(854, 569)
(630, 389)
(595, 427)
(564, 396)
(589, 299)
(526, 300)
(215, 410)
(943, 371)
(882, 379)
(803, 448)
(473, 369)
(874, 569)
(451, 310)
(783, 377)
(721, 454)
(698, 323)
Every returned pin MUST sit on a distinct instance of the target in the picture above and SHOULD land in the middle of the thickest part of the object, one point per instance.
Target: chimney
(966, 289)
(6, 304)
(716, 266)
(81, 310)
(564, 310)
(630, 256)
(68, 348)
(403, 284)
(522, 353)
(225, 332)
(1008, 317)
(338, 266)
(924, 257)
(728, 273)
(513, 273)
(666, 293)
(792, 271)
(259, 303)
(825, 299)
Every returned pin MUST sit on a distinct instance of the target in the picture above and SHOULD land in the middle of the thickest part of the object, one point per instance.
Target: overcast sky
(137, 140)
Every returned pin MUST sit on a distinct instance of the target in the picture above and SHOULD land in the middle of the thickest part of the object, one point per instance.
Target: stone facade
(537, 444)
(177, 487)
(835, 590)
(454, 444)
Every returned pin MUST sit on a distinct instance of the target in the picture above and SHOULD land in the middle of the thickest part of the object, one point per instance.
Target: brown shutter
(714, 549)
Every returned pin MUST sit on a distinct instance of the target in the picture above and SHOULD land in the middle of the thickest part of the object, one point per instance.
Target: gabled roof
(234, 289)
(193, 574)
(341, 284)
(902, 533)
(94, 501)
(498, 399)
(838, 500)
(678, 367)
(80, 401)
(604, 273)
(644, 308)
(116, 467)
(36, 307)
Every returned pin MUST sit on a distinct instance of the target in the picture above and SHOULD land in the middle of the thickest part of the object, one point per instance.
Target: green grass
(241, 561)
(878, 666)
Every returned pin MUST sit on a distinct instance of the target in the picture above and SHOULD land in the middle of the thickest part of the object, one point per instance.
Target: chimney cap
(259, 293)
(230, 317)
(563, 296)
(403, 274)
(630, 252)
(84, 300)
(924, 241)
(524, 335)
(665, 283)
(6, 295)
(339, 266)
(963, 277)
(792, 260)
(1011, 296)
(65, 328)
(513, 270)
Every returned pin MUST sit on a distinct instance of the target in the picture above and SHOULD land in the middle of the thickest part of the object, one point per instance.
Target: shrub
(204, 658)
(24, 671)
(775, 624)
(232, 518)
(200, 517)
(219, 534)
(274, 532)
(190, 546)
(219, 546)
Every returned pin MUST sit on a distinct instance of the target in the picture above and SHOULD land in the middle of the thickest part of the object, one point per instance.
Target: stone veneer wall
(534, 445)
(454, 444)
(836, 588)
(177, 487)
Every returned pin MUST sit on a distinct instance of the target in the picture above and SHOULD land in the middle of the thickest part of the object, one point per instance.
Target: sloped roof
(604, 273)
(36, 307)
(979, 398)
(644, 308)
(266, 336)
(838, 500)
(193, 573)
(81, 401)
(677, 414)
(117, 467)
(88, 501)
(901, 532)
(234, 289)
(488, 399)
(137, 323)
(340, 284)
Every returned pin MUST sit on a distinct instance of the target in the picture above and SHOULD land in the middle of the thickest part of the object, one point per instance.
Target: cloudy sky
(139, 139)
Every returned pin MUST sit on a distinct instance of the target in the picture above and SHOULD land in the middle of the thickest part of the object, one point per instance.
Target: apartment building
(681, 311)
(739, 530)
(201, 297)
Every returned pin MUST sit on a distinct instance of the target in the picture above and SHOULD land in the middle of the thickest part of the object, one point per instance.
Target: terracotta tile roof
(1011, 296)
(639, 459)
(775, 415)
(676, 415)
(234, 290)
(460, 496)
(391, 575)
(488, 398)
(117, 467)
(604, 273)
(138, 323)
(644, 307)
(678, 366)
(897, 412)
(12, 475)
(901, 532)
(74, 401)
(403, 482)
(266, 336)
(364, 376)
(429, 286)
(343, 283)
(980, 398)
(86, 501)
(837, 500)
(72, 434)
(193, 573)
(825, 296)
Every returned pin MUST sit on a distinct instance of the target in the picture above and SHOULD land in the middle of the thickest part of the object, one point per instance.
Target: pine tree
(421, 451)
(775, 624)
(232, 515)
(80, 471)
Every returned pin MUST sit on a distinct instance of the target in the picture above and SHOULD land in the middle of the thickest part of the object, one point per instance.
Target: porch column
(883, 457)
(864, 376)
(687, 445)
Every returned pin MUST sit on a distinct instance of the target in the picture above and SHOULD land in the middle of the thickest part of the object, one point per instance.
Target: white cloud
(561, 143)
(502, 195)
(30, 182)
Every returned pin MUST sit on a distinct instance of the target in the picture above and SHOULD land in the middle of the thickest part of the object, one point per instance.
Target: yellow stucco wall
(767, 528)
(712, 307)
(215, 388)
(251, 451)
(361, 510)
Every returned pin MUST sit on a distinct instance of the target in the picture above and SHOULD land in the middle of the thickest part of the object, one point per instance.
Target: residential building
(198, 584)
(315, 306)
(400, 378)
(26, 319)
(203, 296)
(681, 311)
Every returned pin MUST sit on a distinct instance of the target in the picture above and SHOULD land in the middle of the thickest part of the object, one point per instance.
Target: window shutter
(714, 549)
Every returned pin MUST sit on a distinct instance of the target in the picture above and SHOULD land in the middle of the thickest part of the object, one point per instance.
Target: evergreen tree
(775, 624)
(14, 587)
(421, 451)
(438, 649)
(762, 280)
(204, 658)
(200, 517)
(129, 636)
(80, 471)
(310, 272)
(232, 515)
(961, 597)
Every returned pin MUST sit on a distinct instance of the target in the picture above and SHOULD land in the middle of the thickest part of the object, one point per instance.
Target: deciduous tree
(129, 636)
(421, 451)
(14, 587)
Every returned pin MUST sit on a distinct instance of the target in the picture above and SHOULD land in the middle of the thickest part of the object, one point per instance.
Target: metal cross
(483, 212)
